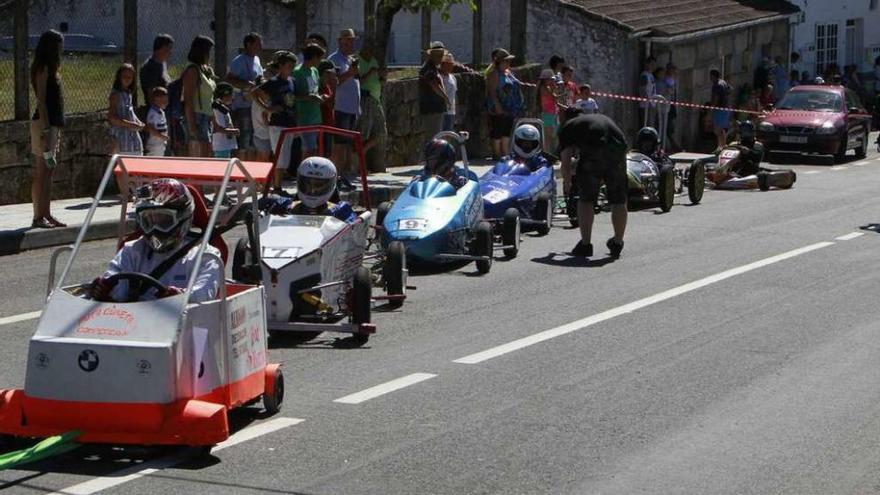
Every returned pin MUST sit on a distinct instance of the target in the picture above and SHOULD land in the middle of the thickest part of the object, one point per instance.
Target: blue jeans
(448, 121)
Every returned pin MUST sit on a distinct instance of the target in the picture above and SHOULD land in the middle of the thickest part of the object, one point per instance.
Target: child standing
(224, 139)
(278, 92)
(569, 87)
(549, 109)
(329, 81)
(260, 120)
(308, 100)
(125, 127)
(585, 102)
(157, 124)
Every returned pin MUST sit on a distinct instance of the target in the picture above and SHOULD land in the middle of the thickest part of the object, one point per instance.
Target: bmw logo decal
(88, 360)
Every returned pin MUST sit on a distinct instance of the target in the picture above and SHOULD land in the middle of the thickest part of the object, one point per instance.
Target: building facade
(842, 32)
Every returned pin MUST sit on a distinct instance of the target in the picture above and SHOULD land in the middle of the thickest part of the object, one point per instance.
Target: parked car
(73, 43)
(826, 120)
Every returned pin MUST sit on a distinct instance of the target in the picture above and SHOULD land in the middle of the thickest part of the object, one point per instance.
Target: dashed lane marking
(387, 387)
(22, 317)
(849, 237)
(839, 167)
(811, 172)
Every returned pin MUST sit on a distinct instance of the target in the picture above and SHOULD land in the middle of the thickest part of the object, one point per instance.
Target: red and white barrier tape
(664, 101)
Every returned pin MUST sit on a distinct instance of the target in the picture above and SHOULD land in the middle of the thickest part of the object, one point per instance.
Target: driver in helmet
(527, 147)
(648, 144)
(440, 162)
(164, 211)
(316, 182)
(751, 151)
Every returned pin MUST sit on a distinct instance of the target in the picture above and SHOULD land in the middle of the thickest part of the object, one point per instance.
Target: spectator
(260, 120)
(854, 82)
(450, 85)
(199, 83)
(125, 127)
(311, 39)
(569, 87)
(348, 96)
(796, 67)
(372, 125)
(223, 140)
(306, 82)
(549, 106)
(46, 124)
(762, 74)
(154, 71)
(670, 85)
(556, 63)
(877, 95)
(720, 98)
(504, 100)
(585, 103)
(780, 77)
(752, 106)
(243, 73)
(433, 101)
(278, 92)
(766, 99)
(157, 124)
(489, 68)
(793, 77)
(329, 82)
(647, 89)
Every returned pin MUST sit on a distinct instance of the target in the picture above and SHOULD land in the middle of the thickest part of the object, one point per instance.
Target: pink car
(826, 120)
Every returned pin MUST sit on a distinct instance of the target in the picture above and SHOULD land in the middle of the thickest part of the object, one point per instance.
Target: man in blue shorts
(720, 98)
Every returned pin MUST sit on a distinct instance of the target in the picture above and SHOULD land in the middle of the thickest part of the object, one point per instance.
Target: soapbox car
(158, 372)
(736, 167)
(438, 224)
(512, 188)
(315, 269)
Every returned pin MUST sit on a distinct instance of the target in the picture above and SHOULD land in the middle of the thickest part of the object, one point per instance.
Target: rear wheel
(764, 181)
(544, 212)
(272, 399)
(241, 257)
(394, 272)
(361, 296)
(862, 151)
(483, 246)
(696, 182)
(510, 230)
(382, 211)
(667, 188)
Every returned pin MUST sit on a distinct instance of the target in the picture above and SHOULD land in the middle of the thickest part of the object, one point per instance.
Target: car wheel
(510, 232)
(841, 151)
(862, 151)
(544, 211)
(241, 257)
(483, 246)
(361, 296)
(272, 399)
(696, 182)
(382, 211)
(667, 188)
(764, 181)
(394, 272)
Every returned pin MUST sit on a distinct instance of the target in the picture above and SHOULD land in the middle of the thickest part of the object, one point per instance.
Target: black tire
(510, 230)
(544, 211)
(841, 153)
(240, 258)
(394, 272)
(862, 151)
(764, 181)
(361, 296)
(483, 246)
(382, 211)
(272, 402)
(696, 182)
(666, 191)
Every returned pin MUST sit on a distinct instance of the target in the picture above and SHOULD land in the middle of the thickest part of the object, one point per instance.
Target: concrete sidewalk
(16, 235)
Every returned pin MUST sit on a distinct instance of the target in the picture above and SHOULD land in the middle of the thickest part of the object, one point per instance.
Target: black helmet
(747, 132)
(647, 141)
(439, 157)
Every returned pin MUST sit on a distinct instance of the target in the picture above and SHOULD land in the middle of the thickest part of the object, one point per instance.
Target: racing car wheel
(134, 292)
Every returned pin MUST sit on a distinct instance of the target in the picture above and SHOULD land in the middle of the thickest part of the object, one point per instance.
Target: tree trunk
(370, 20)
(518, 27)
(477, 35)
(385, 12)
(426, 31)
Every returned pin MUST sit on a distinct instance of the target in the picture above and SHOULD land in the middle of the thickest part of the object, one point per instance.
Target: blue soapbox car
(440, 224)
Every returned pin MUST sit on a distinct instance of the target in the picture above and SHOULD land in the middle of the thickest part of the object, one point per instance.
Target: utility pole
(477, 34)
(426, 30)
(370, 20)
(301, 15)
(20, 47)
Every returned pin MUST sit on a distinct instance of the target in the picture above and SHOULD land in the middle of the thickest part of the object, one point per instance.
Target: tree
(387, 9)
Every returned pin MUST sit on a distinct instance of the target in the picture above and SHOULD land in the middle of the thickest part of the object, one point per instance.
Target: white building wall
(861, 47)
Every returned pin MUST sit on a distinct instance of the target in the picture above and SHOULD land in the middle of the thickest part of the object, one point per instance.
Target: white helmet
(315, 181)
(526, 141)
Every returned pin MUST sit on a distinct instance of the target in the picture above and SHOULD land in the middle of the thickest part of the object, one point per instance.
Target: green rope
(49, 447)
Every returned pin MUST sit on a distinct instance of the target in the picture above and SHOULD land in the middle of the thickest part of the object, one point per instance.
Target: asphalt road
(733, 349)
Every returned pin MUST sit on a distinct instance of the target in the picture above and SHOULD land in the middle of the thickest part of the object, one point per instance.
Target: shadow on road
(572, 261)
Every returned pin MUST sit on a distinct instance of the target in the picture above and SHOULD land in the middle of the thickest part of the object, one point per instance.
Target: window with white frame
(826, 46)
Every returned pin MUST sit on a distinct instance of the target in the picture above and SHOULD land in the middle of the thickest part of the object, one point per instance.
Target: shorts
(222, 153)
(347, 121)
(262, 145)
(500, 126)
(721, 119)
(241, 119)
(155, 149)
(203, 129)
(448, 121)
(606, 166)
(52, 139)
(549, 120)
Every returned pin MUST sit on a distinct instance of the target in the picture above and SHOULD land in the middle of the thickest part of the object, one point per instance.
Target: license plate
(793, 139)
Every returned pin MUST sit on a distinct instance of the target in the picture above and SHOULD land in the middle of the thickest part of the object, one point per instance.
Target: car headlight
(766, 127)
(827, 128)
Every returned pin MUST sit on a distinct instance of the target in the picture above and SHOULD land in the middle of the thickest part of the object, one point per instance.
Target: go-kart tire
(763, 181)
(544, 211)
(272, 401)
(361, 296)
(510, 231)
(382, 211)
(666, 191)
(394, 272)
(241, 257)
(483, 246)
(862, 151)
(696, 182)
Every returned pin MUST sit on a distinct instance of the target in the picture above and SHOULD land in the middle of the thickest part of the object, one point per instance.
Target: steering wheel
(134, 292)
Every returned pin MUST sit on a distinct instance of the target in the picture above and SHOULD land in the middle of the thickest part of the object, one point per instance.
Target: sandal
(41, 223)
(55, 222)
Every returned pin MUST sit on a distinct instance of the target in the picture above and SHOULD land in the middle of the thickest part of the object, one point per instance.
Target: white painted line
(849, 237)
(633, 306)
(132, 473)
(387, 387)
(22, 317)
(811, 172)
(839, 167)
(862, 163)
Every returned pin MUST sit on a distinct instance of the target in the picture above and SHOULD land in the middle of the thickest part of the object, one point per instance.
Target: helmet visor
(314, 186)
(158, 219)
(526, 145)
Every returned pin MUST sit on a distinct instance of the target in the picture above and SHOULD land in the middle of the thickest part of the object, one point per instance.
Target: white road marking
(849, 237)
(839, 167)
(387, 387)
(633, 306)
(811, 172)
(22, 317)
(862, 163)
(132, 473)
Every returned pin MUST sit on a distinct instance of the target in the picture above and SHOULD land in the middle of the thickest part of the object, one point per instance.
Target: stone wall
(84, 148)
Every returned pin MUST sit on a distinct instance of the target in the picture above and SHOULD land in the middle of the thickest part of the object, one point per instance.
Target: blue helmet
(439, 157)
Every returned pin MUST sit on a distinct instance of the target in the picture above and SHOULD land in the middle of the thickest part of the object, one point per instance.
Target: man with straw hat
(433, 102)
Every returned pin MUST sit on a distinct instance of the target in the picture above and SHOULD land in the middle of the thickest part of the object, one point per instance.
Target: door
(857, 119)
(854, 42)
(826, 46)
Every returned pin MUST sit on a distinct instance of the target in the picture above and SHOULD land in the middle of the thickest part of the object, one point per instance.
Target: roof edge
(720, 29)
(596, 16)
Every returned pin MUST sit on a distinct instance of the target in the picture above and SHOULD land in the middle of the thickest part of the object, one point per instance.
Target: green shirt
(370, 84)
(306, 82)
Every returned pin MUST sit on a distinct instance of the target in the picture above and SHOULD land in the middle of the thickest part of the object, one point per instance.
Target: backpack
(175, 95)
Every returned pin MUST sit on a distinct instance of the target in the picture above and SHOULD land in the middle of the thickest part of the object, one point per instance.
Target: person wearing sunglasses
(164, 211)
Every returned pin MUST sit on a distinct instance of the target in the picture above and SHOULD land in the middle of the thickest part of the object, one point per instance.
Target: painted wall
(862, 47)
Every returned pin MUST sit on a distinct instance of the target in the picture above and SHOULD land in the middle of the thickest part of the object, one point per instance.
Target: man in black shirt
(433, 102)
(601, 147)
(154, 72)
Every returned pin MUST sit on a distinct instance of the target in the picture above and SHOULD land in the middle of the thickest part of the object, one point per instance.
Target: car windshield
(812, 101)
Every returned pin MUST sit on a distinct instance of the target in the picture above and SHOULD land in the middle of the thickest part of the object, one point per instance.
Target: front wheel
(544, 212)
(696, 182)
(361, 296)
(394, 272)
(241, 258)
(764, 181)
(667, 188)
(483, 246)
(382, 211)
(510, 232)
(862, 151)
(272, 399)
(841, 152)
